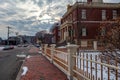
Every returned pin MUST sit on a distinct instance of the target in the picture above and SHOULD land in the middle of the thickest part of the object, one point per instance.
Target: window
(83, 14)
(114, 14)
(71, 32)
(103, 14)
(84, 32)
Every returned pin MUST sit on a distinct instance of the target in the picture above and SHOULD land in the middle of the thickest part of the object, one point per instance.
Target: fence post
(72, 49)
(52, 52)
(95, 45)
(42, 48)
(45, 49)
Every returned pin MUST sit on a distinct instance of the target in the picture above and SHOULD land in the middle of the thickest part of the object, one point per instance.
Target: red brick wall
(91, 30)
(93, 14)
(118, 10)
(55, 34)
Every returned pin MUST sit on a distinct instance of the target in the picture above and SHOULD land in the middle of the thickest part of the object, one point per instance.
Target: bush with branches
(109, 37)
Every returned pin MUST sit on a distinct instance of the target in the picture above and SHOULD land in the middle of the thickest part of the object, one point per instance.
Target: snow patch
(104, 69)
(25, 69)
(61, 47)
(40, 52)
(28, 56)
(21, 55)
(1, 48)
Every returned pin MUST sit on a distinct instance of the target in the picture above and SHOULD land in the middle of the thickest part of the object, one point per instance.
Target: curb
(20, 71)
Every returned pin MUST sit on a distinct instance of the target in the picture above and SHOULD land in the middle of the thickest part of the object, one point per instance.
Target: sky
(26, 17)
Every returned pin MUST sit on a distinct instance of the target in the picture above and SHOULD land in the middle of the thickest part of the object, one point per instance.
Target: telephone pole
(8, 35)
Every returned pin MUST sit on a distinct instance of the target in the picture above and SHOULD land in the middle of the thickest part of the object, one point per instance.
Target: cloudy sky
(30, 16)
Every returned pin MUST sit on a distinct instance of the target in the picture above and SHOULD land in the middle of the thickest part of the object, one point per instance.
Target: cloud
(31, 16)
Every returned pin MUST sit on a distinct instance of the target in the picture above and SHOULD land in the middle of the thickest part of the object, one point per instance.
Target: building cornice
(97, 21)
(67, 23)
(92, 5)
(99, 5)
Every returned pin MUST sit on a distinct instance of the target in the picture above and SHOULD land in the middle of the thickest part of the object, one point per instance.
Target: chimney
(69, 7)
(89, 1)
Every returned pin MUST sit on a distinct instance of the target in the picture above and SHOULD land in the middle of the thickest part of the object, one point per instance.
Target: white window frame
(114, 14)
(103, 14)
(83, 13)
(84, 32)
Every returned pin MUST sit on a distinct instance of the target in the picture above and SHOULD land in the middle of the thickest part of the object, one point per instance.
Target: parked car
(25, 45)
(19, 45)
(8, 47)
(37, 45)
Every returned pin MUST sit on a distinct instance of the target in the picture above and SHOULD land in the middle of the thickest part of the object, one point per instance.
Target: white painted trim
(48, 58)
(97, 21)
(81, 75)
(61, 68)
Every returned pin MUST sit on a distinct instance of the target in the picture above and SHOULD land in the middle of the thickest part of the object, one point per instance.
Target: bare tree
(109, 37)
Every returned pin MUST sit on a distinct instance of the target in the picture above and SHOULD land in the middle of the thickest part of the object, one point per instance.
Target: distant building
(4, 42)
(28, 39)
(21, 39)
(44, 37)
(0, 40)
(40, 36)
(14, 40)
(81, 21)
(55, 30)
(48, 38)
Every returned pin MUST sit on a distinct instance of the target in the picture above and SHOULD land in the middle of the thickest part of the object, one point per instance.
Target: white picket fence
(82, 65)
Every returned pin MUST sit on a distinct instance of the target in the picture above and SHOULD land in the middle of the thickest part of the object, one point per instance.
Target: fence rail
(82, 65)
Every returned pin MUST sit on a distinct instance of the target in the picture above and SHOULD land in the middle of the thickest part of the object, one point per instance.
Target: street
(9, 66)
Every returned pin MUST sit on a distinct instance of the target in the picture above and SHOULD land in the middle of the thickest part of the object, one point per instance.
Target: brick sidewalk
(39, 68)
(33, 50)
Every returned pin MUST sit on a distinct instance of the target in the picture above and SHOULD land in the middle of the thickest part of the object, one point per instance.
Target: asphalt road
(8, 62)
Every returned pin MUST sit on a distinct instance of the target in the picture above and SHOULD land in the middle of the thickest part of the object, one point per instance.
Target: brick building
(81, 21)
(55, 30)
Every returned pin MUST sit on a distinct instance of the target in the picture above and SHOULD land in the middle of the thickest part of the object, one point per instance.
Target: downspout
(78, 23)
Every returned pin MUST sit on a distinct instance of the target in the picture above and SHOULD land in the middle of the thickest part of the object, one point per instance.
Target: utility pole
(8, 35)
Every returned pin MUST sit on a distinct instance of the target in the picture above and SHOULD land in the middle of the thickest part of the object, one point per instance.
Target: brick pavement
(33, 50)
(39, 68)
